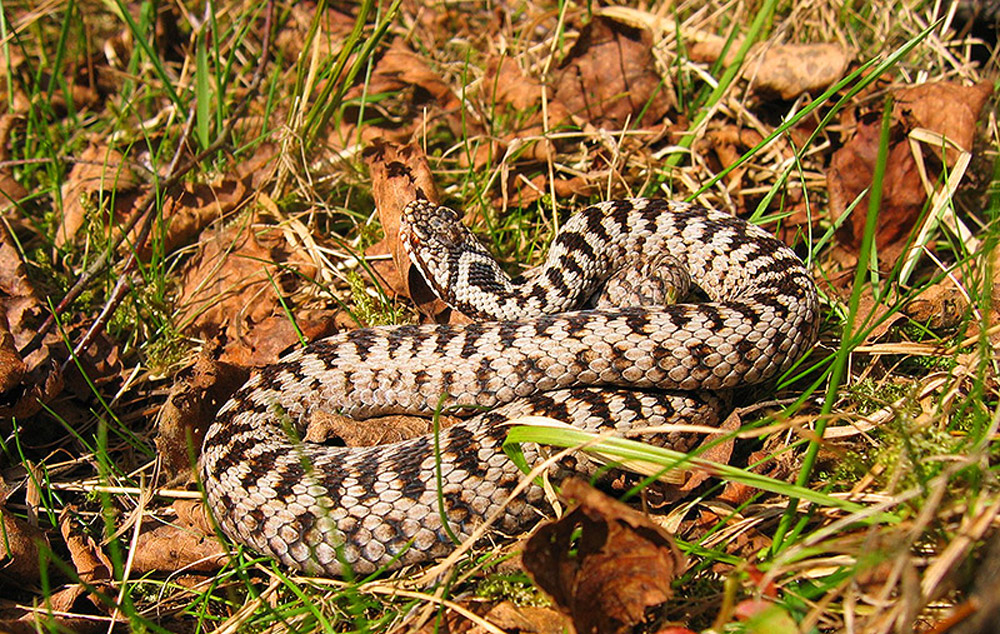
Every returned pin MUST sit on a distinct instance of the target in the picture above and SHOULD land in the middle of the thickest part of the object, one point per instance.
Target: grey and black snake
(552, 343)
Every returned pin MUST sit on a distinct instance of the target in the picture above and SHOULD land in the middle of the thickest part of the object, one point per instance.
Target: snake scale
(572, 339)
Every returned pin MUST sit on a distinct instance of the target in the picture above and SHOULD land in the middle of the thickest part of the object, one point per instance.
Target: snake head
(432, 234)
(448, 255)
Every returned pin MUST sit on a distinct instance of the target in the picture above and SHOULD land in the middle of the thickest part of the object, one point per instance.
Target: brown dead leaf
(400, 68)
(12, 368)
(227, 281)
(801, 221)
(96, 365)
(270, 339)
(623, 564)
(783, 70)
(11, 191)
(538, 187)
(228, 288)
(25, 620)
(729, 141)
(419, 94)
(504, 615)
(513, 92)
(747, 543)
(25, 382)
(400, 174)
(323, 427)
(19, 550)
(789, 70)
(334, 26)
(939, 306)
(850, 173)
(943, 107)
(14, 61)
(771, 461)
(947, 108)
(191, 406)
(713, 450)
(525, 619)
(91, 564)
(188, 544)
(190, 208)
(98, 171)
(609, 77)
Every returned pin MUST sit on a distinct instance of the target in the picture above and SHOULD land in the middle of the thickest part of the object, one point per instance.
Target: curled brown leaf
(609, 76)
(400, 174)
(22, 543)
(99, 171)
(622, 565)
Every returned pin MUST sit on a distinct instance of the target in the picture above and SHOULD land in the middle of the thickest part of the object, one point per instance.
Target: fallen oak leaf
(273, 336)
(608, 77)
(189, 544)
(623, 563)
(98, 170)
(323, 427)
(508, 89)
(188, 209)
(782, 70)
(93, 568)
(946, 108)
(526, 619)
(12, 368)
(332, 27)
(232, 286)
(11, 191)
(20, 549)
(227, 281)
(191, 407)
(789, 70)
(400, 67)
(850, 174)
(26, 382)
(400, 175)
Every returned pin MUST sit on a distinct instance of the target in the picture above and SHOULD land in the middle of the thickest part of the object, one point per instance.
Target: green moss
(870, 396)
(368, 234)
(517, 589)
(370, 310)
(852, 466)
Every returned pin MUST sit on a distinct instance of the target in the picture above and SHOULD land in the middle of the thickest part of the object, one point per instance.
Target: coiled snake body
(318, 508)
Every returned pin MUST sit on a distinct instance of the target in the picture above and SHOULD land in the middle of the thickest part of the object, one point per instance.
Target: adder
(587, 337)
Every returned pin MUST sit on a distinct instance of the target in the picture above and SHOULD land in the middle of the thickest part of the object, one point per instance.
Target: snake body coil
(318, 508)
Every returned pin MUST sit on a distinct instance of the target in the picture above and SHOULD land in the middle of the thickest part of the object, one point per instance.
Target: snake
(593, 336)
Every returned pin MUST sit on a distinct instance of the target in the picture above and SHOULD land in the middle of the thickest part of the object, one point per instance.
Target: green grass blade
(203, 93)
(848, 341)
(660, 458)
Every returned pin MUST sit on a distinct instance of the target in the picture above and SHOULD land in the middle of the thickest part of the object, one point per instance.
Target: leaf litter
(591, 112)
(621, 564)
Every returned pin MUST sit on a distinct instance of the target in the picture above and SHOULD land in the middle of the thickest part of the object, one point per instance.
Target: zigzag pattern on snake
(551, 343)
